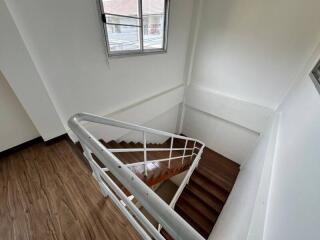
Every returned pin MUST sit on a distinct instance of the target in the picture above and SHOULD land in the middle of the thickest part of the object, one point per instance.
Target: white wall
(141, 113)
(23, 77)
(277, 188)
(166, 121)
(66, 42)
(236, 216)
(247, 55)
(227, 125)
(230, 140)
(16, 127)
(294, 210)
(254, 50)
(245, 114)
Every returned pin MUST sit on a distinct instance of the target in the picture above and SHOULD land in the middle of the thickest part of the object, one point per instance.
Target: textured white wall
(139, 114)
(254, 50)
(166, 121)
(16, 127)
(294, 210)
(23, 77)
(277, 188)
(66, 42)
(232, 141)
(242, 113)
(235, 219)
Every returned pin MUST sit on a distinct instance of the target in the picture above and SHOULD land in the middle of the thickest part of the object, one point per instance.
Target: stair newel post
(170, 154)
(145, 153)
(184, 150)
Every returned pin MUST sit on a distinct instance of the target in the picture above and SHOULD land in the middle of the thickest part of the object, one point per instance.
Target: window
(135, 26)
(315, 75)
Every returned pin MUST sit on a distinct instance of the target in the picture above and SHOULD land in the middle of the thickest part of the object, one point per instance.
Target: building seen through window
(135, 26)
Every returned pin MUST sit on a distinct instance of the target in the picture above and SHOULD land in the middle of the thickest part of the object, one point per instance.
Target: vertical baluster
(194, 145)
(170, 155)
(95, 172)
(145, 153)
(184, 150)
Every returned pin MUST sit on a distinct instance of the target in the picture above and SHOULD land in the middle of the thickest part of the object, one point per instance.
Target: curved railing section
(163, 213)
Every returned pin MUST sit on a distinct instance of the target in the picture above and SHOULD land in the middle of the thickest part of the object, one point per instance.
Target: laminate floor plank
(47, 192)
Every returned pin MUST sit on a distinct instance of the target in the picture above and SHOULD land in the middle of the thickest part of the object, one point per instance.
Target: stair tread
(207, 198)
(216, 163)
(210, 186)
(215, 177)
(202, 208)
(136, 145)
(124, 157)
(165, 234)
(137, 156)
(203, 227)
(196, 217)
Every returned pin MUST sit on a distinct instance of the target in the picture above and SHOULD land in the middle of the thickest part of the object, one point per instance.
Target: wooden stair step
(203, 209)
(137, 156)
(216, 162)
(215, 177)
(124, 157)
(157, 155)
(165, 154)
(206, 198)
(152, 169)
(180, 143)
(111, 144)
(198, 218)
(165, 234)
(136, 145)
(212, 188)
(191, 216)
(154, 145)
(157, 171)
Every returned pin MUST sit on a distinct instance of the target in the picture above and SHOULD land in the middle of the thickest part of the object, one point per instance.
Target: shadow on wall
(16, 126)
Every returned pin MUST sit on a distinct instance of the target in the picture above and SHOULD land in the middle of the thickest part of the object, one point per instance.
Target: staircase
(199, 199)
(201, 202)
(157, 171)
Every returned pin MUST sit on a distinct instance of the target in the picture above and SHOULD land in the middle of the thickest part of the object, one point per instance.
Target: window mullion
(141, 26)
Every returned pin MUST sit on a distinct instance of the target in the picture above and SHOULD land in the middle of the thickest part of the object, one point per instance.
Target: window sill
(135, 54)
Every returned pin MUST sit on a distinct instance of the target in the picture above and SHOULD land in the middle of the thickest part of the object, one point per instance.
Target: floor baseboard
(30, 143)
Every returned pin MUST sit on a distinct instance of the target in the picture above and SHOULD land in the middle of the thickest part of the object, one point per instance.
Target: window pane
(123, 38)
(122, 20)
(153, 23)
(122, 7)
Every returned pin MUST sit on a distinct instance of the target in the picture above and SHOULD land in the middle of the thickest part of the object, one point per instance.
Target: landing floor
(47, 192)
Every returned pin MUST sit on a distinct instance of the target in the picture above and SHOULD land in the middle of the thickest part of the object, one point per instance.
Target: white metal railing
(163, 213)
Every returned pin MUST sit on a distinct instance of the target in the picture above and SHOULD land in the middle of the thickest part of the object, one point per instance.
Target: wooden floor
(47, 192)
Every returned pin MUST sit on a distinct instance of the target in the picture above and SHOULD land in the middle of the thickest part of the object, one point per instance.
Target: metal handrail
(176, 226)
